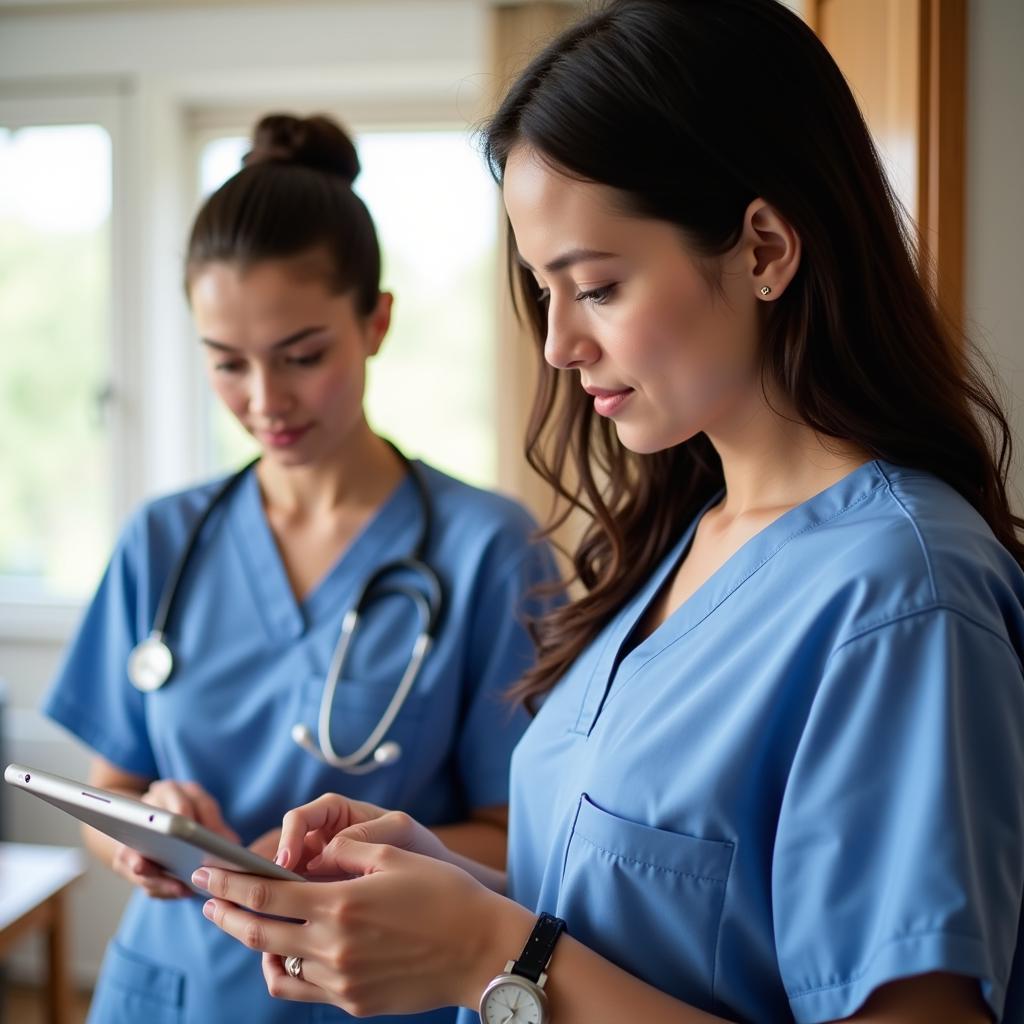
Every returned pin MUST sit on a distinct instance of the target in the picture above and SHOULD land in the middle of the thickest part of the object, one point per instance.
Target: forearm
(479, 848)
(583, 987)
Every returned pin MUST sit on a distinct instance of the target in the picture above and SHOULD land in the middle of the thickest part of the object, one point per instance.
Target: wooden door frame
(518, 30)
(942, 76)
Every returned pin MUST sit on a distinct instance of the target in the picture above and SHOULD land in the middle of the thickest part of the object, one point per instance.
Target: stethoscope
(151, 662)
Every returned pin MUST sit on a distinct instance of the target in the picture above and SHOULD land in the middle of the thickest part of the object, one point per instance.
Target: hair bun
(318, 142)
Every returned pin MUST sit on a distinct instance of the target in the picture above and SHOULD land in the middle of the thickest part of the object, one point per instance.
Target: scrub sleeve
(914, 747)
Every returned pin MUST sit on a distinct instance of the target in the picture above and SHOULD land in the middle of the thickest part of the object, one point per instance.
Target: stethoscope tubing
(173, 584)
(151, 662)
(356, 761)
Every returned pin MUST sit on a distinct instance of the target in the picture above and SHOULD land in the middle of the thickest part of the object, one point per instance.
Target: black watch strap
(539, 947)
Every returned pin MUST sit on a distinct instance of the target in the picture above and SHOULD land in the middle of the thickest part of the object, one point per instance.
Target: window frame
(102, 103)
(159, 401)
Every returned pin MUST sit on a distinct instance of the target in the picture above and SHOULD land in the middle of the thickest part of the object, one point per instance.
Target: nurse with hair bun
(283, 278)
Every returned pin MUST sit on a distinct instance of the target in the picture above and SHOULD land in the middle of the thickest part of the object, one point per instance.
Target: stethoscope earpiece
(303, 736)
(387, 753)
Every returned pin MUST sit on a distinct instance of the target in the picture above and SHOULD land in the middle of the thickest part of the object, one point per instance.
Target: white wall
(995, 198)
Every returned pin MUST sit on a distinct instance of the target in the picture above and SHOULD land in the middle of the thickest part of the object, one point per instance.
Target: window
(430, 389)
(55, 267)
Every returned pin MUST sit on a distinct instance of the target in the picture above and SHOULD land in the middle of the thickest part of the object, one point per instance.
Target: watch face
(513, 1002)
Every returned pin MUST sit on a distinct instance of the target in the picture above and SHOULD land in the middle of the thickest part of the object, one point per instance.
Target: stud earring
(765, 290)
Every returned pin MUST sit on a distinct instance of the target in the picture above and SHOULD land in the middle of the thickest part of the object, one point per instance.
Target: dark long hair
(691, 109)
(293, 196)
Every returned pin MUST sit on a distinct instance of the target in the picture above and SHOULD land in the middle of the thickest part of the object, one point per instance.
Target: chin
(290, 457)
(650, 441)
(642, 442)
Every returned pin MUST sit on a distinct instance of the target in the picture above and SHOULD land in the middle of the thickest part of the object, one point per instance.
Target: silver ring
(293, 965)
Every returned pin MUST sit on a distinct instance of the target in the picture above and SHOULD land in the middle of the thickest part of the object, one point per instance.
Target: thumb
(208, 811)
(348, 857)
(216, 823)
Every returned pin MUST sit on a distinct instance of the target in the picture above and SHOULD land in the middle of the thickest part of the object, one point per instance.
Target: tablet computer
(176, 843)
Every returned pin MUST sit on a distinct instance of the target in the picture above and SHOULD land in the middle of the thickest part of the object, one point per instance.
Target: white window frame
(103, 103)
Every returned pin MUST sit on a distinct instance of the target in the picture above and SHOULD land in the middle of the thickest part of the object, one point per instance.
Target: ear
(378, 322)
(771, 250)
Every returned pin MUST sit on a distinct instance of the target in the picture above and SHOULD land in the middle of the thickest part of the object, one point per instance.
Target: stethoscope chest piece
(150, 664)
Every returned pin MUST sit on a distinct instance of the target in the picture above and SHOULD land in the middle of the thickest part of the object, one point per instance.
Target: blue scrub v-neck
(613, 669)
(285, 616)
(609, 663)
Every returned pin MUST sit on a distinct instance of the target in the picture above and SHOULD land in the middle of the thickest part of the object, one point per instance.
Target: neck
(358, 474)
(772, 461)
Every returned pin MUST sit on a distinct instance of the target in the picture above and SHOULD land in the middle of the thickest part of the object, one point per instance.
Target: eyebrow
(292, 339)
(569, 259)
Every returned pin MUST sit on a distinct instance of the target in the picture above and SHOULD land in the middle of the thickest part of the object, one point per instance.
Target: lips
(284, 438)
(607, 401)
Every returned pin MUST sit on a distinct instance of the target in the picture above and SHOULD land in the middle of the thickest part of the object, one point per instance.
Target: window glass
(55, 509)
(430, 388)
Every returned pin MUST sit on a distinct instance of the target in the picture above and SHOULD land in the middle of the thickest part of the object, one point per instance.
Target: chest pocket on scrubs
(134, 989)
(647, 899)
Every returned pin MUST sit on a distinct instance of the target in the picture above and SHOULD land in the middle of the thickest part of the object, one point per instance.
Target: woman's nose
(568, 346)
(269, 396)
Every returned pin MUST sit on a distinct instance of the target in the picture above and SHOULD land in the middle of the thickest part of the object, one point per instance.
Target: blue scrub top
(250, 662)
(807, 782)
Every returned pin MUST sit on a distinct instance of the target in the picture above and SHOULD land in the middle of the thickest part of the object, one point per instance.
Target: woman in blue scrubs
(776, 770)
(283, 279)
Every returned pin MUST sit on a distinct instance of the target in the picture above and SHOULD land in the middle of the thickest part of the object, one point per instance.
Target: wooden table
(34, 881)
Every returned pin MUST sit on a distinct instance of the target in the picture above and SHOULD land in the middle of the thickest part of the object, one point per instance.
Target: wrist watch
(517, 996)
